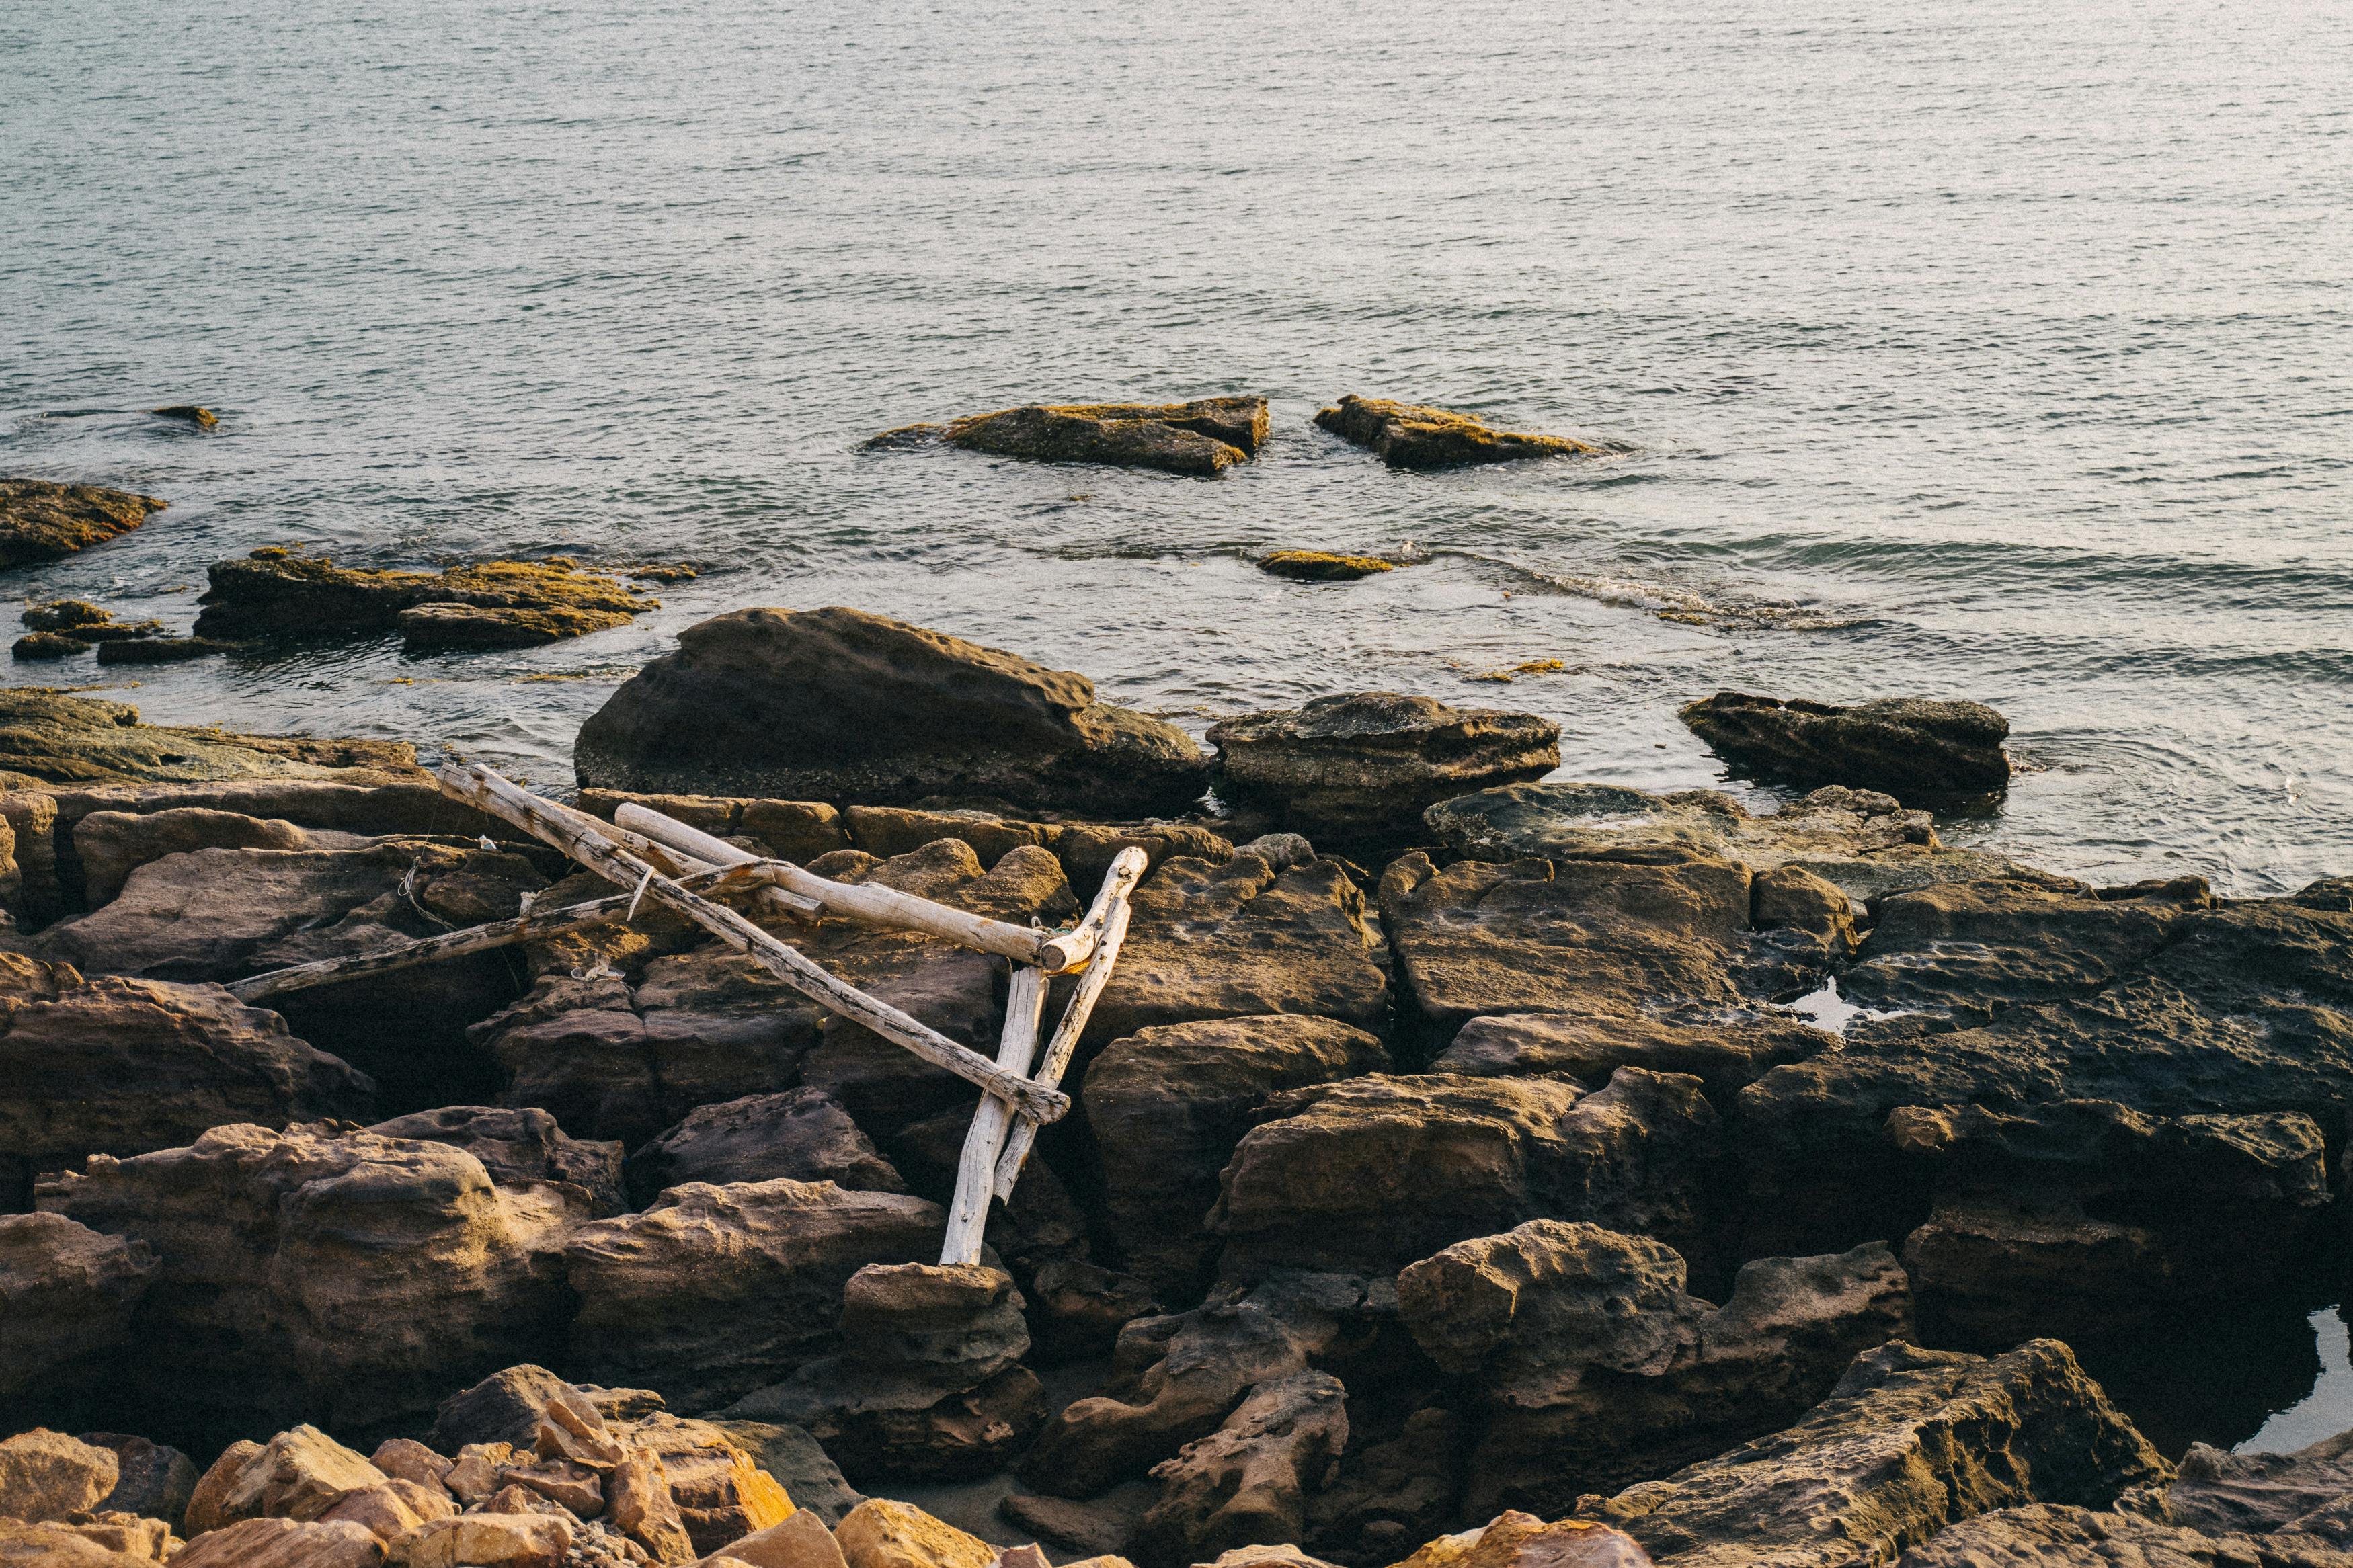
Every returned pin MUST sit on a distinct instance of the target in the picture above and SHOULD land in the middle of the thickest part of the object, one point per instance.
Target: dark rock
(1369, 1174)
(335, 1275)
(1241, 939)
(274, 593)
(1206, 437)
(66, 1296)
(521, 1146)
(956, 1326)
(1166, 1106)
(65, 615)
(1725, 1056)
(882, 1426)
(802, 1133)
(1414, 436)
(151, 1480)
(124, 1067)
(799, 1463)
(1909, 1442)
(432, 625)
(715, 1292)
(1248, 1481)
(1095, 1528)
(41, 520)
(2305, 1493)
(161, 650)
(837, 704)
(1589, 1367)
(1318, 566)
(1865, 843)
(2046, 1535)
(506, 1407)
(1392, 1488)
(58, 738)
(1911, 748)
(1079, 1307)
(46, 645)
(1368, 764)
(1041, 1224)
(193, 413)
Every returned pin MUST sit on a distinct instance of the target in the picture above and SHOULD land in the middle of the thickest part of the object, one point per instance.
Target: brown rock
(1241, 939)
(274, 593)
(1098, 1527)
(802, 1541)
(796, 1463)
(46, 645)
(802, 1133)
(720, 1493)
(1248, 1480)
(1918, 750)
(2046, 1535)
(390, 1511)
(1367, 1173)
(429, 625)
(163, 650)
(1203, 438)
(1908, 1442)
(488, 1541)
(643, 1510)
(75, 742)
(1415, 435)
(884, 1425)
(475, 1477)
(715, 1292)
(796, 830)
(1322, 565)
(1167, 1105)
(1366, 764)
(154, 1481)
(299, 1473)
(113, 844)
(41, 520)
(519, 1145)
(66, 1295)
(274, 1243)
(574, 1486)
(45, 1475)
(102, 1540)
(836, 704)
(1725, 1057)
(880, 1534)
(406, 1459)
(1516, 1540)
(284, 1543)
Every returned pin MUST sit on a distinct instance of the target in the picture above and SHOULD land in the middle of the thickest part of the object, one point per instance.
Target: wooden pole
(868, 903)
(476, 939)
(587, 840)
(1109, 917)
(1025, 1014)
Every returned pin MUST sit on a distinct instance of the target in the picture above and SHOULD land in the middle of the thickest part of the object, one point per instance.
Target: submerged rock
(1913, 749)
(161, 650)
(194, 414)
(837, 704)
(1206, 437)
(1321, 566)
(1413, 435)
(1588, 1366)
(41, 520)
(1368, 764)
(330, 1274)
(1908, 1442)
(65, 615)
(272, 593)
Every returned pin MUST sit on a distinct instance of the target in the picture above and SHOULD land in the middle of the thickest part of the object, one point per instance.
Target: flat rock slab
(1368, 764)
(1203, 438)
(1415, 435)
(52, 738)
(273, 593)
(42, 519)
(1916, 750)
(838, 705)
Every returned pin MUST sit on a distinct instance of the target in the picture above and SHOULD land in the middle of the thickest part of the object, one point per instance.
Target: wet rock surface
(1912, 747)
(1415, 435)
(1204, 438)
(1368, 764)
(274, 593)
(834, 703)
(53, 738)
(45, 519)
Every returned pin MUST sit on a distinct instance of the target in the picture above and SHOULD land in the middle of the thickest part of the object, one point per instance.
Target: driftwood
(590, 841)
(1025, 1013)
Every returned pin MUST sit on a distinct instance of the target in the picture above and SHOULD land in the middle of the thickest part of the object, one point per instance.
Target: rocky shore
(1463, 1170)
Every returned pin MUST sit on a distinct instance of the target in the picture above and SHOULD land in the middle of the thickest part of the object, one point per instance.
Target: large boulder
(113, 844)
(1205, 436)
(1909, 1441)
(717, 1290)
(837, 704)
(1912, 747)
(1263, 932)
(47, 1475)
(333, 1275)
(1590, 1367)
(272, 593)
(43, 520)
(1415, 435)
(125, 1067)
(1366, 765)
(1166, 1107)
(66, 1296)
(1367, 1174)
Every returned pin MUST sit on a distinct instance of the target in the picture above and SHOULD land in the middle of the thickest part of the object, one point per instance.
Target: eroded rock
(45, 1475)
(519, 1146)
(1912, 747)
(802, 1133)
(1248, 1482)
(1366, 765)
(113, 844)
(1725, 1056)
(272, 593)
(43, 520)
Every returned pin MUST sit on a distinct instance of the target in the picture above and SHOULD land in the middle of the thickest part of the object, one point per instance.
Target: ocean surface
(1997, 351)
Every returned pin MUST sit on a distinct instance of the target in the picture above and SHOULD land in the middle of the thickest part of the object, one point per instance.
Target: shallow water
(1999, 354)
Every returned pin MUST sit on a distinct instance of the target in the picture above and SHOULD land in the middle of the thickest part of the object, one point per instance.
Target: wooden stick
(869, 903)
(698, 847)
(586, 839)
(1025, 1014)
(1112, 905)
(475, 939)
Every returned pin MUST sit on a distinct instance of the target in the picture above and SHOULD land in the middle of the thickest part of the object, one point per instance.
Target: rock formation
(274, 592)
(1916, 750)
(1414, 436)
(41, 520)
(1203, 438)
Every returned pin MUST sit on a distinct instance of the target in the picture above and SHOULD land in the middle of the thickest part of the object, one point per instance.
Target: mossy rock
(473, 625)
(203, 418)
(64, 616)
(1203, 438)
(41, 520)
(1415, 435)
(48, 645)
(273, 593)
(1318, 566)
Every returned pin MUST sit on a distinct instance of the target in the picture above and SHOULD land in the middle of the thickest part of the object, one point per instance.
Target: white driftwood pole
(866, 903)
(1025, 1014)
(476, 939)
(1109, 916)
(587, 840)
(676, 838)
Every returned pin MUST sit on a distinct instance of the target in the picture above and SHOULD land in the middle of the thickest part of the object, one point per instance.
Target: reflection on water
(2328, 1408)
